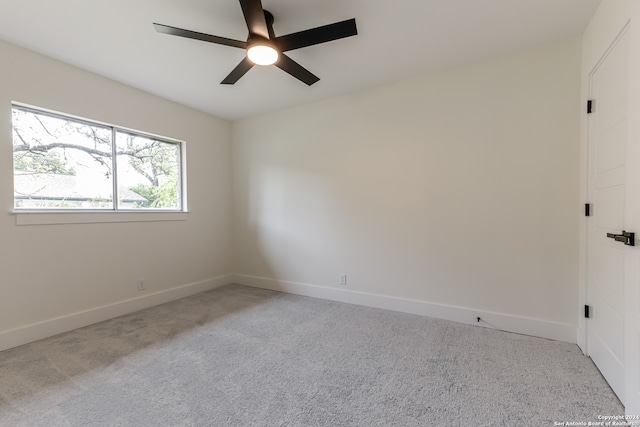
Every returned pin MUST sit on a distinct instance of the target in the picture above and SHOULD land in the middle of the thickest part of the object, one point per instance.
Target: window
(65, 163)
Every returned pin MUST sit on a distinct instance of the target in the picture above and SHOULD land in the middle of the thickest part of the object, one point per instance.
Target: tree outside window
(66, 163)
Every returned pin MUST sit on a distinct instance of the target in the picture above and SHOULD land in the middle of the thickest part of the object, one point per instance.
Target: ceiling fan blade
(240, 70)
(254, 16)
(199, 36)
(296, 70)
(317, 35)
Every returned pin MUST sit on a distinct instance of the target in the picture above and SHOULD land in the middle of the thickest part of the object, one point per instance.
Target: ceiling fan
(262, 45)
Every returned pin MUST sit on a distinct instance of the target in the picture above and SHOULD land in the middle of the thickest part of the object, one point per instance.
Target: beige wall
(48, 271)
(459, 189)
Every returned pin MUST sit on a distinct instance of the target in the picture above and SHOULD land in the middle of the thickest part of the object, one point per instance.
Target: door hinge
(589, 106)
(587, 312)
(587, 209)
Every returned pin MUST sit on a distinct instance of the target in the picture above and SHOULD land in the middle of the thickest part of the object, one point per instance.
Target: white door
(632, 289)
(607, 194)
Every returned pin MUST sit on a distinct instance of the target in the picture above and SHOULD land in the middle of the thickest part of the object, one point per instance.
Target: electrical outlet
(142, 284)
(343, 279)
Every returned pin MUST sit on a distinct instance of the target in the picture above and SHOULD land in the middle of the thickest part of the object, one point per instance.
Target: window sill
(93, 217)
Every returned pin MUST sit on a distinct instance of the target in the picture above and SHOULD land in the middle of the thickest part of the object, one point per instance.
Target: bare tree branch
(47, 147)
(43, 126)
(36, 149)
(24, 143)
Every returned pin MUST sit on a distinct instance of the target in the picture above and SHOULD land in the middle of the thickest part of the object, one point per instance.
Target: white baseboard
(503, 322)
(26, 334)
(535, 327)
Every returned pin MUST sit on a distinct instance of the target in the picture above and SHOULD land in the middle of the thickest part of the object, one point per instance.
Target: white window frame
(28, 216)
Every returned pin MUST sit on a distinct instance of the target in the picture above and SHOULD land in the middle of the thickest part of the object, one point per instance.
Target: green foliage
(41, 163)
(36, 203)
(162, 196)
(158, 163)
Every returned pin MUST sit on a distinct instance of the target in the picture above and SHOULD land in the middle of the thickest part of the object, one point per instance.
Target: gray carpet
(239, 356)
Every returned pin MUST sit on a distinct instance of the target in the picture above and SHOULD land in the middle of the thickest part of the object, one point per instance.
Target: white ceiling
(397, 39)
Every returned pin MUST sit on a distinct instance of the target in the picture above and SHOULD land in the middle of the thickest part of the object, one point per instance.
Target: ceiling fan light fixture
(262, 54)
